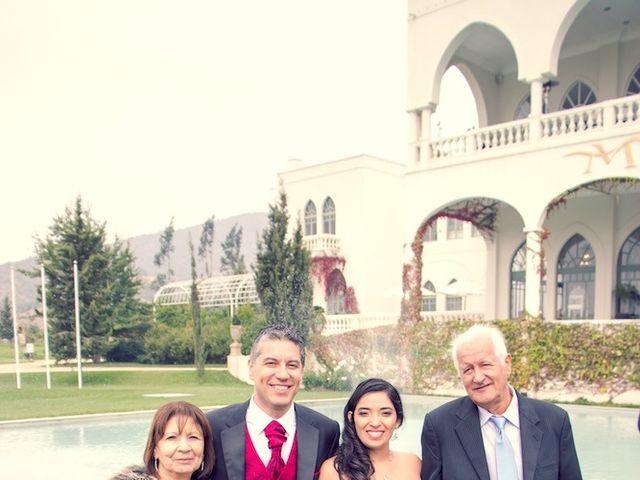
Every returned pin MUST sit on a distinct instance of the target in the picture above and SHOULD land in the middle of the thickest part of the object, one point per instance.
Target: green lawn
(7, 356)
(118, 391)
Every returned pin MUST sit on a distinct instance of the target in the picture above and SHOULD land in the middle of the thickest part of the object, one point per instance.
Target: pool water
(607, 441)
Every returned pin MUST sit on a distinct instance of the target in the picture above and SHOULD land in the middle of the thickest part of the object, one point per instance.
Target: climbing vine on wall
(605, 186)
(480, 212)
(321, 268)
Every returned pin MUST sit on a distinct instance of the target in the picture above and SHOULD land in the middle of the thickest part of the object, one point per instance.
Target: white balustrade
(452, 315)
(626, 111)
(336, 324)
(575, 120)
(322, 244)
(346, 323)
(565, 123)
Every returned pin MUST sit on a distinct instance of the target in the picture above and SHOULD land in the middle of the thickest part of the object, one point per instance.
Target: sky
(153, 109)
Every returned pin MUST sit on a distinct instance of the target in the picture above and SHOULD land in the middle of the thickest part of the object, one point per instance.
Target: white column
(533, 278)
(16, 343)
(425, 132)
(414, 136)
(76, 290)
(536, 97)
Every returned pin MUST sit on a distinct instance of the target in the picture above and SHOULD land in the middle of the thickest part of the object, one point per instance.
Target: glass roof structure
(220, 291)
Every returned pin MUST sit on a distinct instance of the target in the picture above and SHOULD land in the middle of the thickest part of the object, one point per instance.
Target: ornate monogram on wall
(622, 151)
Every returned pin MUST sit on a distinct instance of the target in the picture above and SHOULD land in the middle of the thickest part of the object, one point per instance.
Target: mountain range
(145, 247)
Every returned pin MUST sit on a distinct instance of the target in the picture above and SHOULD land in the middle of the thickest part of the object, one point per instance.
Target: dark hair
(185, 411)
(277, 332)
(352, 459)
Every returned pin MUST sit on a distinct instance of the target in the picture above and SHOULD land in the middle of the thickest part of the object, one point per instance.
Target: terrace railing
(565, 124)
(322, 244)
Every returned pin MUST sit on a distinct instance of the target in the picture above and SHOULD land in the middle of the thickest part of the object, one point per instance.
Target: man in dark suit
(242, 439)
(495, 433)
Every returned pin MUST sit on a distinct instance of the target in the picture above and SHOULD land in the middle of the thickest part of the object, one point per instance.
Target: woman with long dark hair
(371, 416)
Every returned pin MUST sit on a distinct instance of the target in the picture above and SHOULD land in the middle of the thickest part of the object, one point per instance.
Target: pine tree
(301, 300)
(232, 261)
(107, 280)
(198, 341)
(282, 272)
(164, 255)
(131, 318)
(6, 320)
(205, 249)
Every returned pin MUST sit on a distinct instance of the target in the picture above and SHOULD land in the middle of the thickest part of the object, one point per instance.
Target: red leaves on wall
(480, 212)
(321, 268)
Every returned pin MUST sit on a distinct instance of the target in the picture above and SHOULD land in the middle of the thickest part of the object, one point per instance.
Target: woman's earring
(202, 465)
(395, 434)
(157, 464)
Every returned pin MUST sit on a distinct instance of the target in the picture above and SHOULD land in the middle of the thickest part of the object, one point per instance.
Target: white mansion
(537, 211)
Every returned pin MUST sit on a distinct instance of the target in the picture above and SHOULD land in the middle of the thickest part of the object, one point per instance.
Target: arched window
(329, 217)
(336, 288)
(428, 297)
(633, 87)
(628, 278)
(575, 279)
(431, 233)
(310, 219)
(454, 228)
(524, 108)
(577, 95)
(518, 274)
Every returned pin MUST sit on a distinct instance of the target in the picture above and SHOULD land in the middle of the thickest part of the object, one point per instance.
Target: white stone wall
(381, 204)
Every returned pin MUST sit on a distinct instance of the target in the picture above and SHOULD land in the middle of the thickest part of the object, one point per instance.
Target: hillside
(144, 248)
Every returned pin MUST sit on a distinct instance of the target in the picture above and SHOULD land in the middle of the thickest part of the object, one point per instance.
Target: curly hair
(352, 460)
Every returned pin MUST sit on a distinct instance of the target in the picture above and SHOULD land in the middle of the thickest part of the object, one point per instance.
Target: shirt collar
(511, 413)
(258, 419)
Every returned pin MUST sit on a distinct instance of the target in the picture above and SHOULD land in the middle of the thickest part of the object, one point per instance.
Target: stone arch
(481, 212)
(561, 32)
(447, 59)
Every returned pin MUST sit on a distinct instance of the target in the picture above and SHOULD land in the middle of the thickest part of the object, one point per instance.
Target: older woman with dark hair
(371, 416)
(179, 446)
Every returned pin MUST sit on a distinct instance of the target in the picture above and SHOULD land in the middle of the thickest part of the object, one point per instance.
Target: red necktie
(276, 435)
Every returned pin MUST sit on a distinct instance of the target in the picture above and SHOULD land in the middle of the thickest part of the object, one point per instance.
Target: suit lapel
(530, 436)
(308, 441)
(233, 443)
(468, 431)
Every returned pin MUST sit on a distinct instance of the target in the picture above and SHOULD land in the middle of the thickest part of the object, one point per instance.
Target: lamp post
(546, 88)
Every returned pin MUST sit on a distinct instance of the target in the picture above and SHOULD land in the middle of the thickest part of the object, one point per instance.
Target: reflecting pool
(607, 441)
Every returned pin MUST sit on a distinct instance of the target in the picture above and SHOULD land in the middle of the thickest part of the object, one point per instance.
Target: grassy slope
(118, 391)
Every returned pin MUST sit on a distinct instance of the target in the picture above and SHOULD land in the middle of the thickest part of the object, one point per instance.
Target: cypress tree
(6, 320)
(282, 272)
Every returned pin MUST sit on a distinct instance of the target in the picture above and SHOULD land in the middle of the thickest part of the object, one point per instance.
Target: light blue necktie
(505, 459)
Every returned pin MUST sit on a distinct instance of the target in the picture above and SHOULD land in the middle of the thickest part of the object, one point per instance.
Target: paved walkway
(37, 366)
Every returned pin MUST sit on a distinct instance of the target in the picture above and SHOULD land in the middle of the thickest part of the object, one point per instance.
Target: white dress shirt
(511, 430)
(257, 421)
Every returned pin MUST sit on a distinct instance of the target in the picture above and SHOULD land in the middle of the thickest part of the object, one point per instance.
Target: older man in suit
(269, 436)
(495, 433)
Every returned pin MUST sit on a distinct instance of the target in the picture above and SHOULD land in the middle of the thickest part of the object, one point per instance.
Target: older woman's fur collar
(133, 473)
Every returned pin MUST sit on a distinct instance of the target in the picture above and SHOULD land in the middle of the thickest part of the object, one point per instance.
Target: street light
(546, 88)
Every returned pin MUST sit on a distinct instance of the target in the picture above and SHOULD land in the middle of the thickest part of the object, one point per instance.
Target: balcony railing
(563, 124)
(346, 323)
(323, 244)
